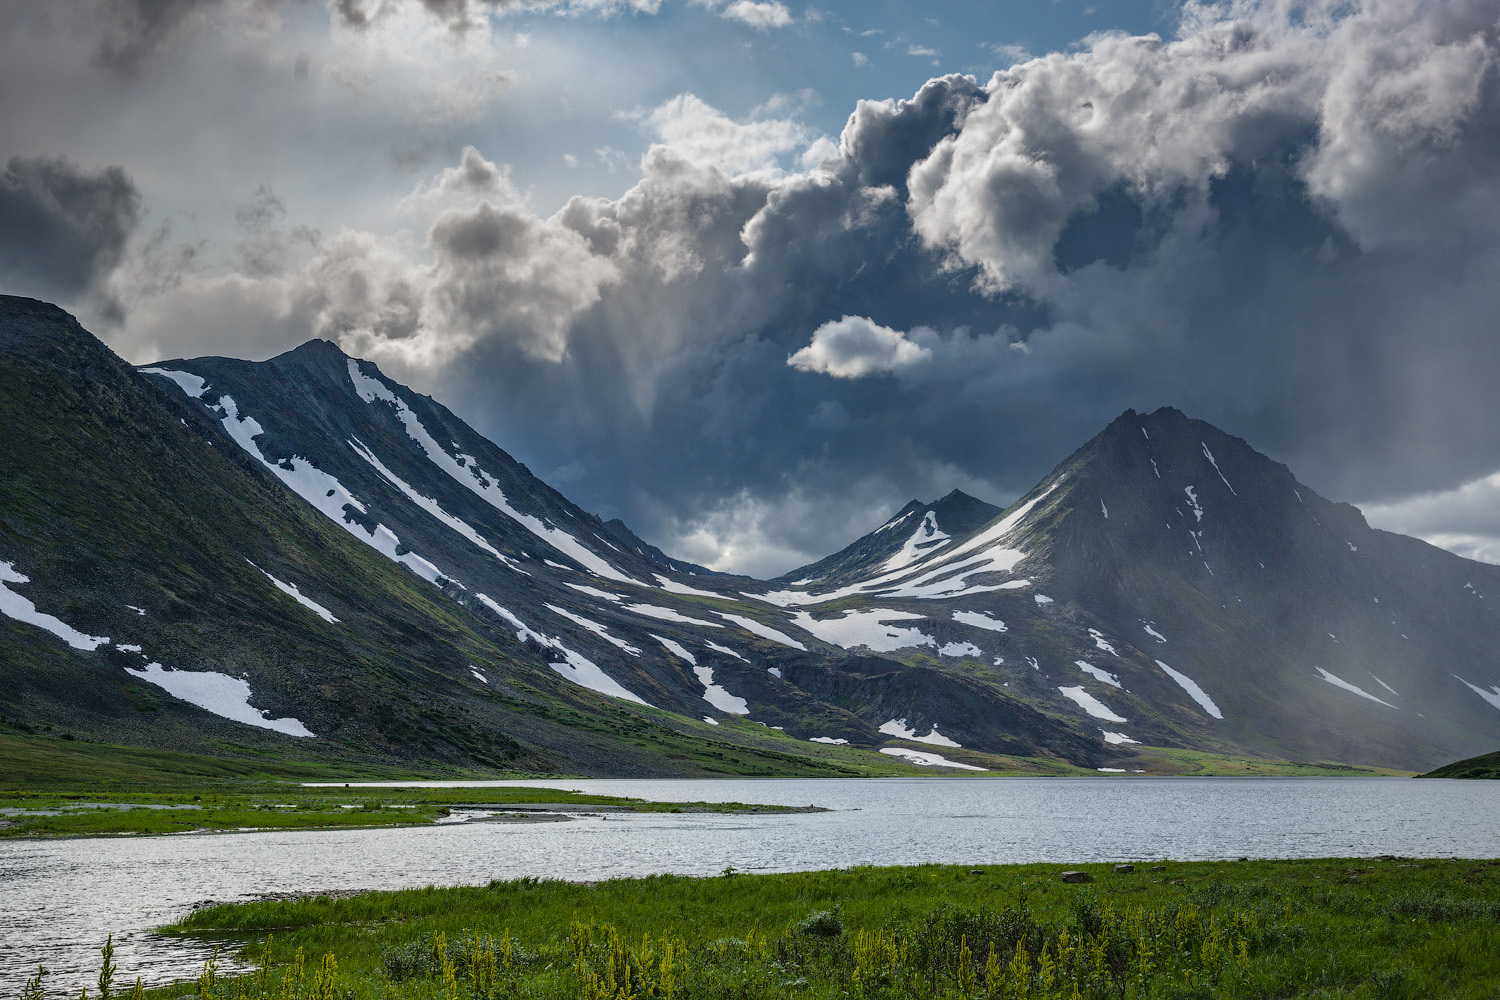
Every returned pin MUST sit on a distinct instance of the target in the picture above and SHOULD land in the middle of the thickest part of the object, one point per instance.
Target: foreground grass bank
(1327, 929)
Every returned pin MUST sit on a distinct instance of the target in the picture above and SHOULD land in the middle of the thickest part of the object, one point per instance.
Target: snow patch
(1193, 500)
(1344, 685)
(899, 729)
(710, 720)
(600, 630)
(1093, 706)
(1153, 633)
(1492, 696)
(1096, 673)
(224, 696)
(430, 505)
(469, 474)
(324, 492)
(673, 587)
(924, 759)
(186, 381)
(1102, 642)
(13, 605)
(928, 538)
(980, 619)
(574, 666)
(1210, 456)
(960, 649)
(727, 652)
(1041, 598)
(713, 693)
(668, 615)
(1155, 469)
(868, 629)
(764, 631)
(290, 590)
(126, 647)
(1104, 508)
(1117, 738)
(1386, 686)
(774, 671)
(829, 740)
(603, 595)
(139, 611)
(477, 675)
(1194, 691)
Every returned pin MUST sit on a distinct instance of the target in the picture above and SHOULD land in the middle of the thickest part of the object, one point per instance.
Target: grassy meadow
(1337, 928)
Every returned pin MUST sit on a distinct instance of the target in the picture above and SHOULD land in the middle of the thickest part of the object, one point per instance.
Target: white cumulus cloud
(856, 346)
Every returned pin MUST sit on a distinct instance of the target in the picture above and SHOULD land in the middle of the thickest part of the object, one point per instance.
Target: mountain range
(302, 558)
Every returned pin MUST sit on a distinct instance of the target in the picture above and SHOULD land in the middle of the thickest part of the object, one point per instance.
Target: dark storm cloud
(63, 229)
(1284, 221)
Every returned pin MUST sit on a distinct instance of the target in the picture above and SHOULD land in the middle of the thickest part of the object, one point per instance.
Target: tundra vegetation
(1333, 928)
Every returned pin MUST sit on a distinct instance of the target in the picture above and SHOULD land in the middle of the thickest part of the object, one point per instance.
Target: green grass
(1484, 766)
(1357, 929)
(291, 806)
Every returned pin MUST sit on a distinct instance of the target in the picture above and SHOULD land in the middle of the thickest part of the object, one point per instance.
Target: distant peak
(315, 351)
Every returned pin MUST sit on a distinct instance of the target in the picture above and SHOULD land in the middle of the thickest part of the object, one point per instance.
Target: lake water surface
(59, 898)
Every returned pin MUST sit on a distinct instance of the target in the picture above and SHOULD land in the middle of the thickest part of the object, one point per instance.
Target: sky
(752, 274)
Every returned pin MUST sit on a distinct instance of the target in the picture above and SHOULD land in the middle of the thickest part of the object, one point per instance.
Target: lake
(59, 898)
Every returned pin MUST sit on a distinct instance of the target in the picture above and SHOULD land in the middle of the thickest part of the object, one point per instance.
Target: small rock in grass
(976, 871)
(1124, 869)
(1077, 877)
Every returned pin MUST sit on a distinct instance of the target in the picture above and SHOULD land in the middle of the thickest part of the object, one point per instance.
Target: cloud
(63, 229)
(855, 346)
(1283, 220)
(1465, 520)
(860, 59)
(757, 14)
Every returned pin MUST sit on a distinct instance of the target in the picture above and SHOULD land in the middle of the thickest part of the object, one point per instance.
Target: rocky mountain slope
(302, 557)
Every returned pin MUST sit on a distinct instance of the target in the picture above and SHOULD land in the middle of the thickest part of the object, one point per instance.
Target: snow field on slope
(323, 491)
(714, 694)
(1344, 685)
(1093, 706)
(1492, 696)
(899, 729)
(189, 383)
(673, 587)
(1194, 691)
(764, 631)
(831, 741)
(1099, 675)
(600, 630)
(924, 759)
(290, 589)
(13, 605)
(224, 696)
(1117, 738)
(1153, 633)
(959, 649)
(578, 668)
(668, 615)
(867, 629)
(927, 539)
(428, 504)
(1102, 642)
(939, 574)
(980, 619)
(728, 652)
(481, 483)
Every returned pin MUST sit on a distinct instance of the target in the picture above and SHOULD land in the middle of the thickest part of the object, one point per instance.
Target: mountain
(1180, 589)
(1483, 766)
(301, 557)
